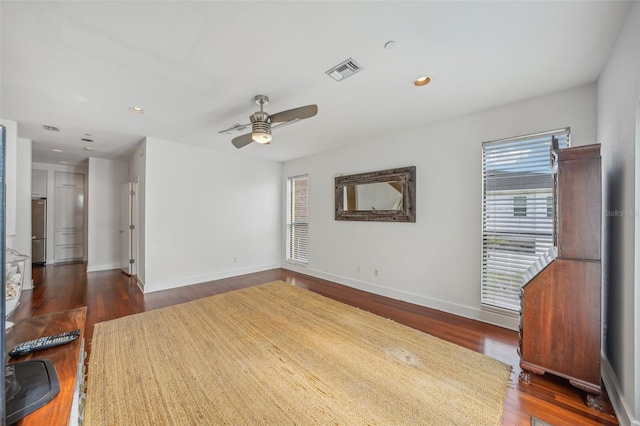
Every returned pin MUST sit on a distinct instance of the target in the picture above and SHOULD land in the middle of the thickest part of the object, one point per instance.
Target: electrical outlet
(358, 268)
(375, 272)
(235, 260)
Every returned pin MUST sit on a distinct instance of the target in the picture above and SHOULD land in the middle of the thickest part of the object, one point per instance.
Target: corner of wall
(140, 283)
(614, 390)
(617, 127)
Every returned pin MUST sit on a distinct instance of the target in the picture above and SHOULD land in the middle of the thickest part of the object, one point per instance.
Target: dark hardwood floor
(111, 294)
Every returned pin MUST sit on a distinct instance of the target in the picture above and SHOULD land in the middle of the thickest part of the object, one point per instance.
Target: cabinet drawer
(68, 252)
(69, 180)
(69, 237)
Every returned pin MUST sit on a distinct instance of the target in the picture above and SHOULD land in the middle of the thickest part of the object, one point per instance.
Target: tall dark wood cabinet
(560, 323)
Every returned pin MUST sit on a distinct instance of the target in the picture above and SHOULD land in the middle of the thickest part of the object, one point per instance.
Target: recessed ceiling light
(88, 148)
(63, 162)
(136, 110)
(421, 81)
(87, 140)
(88, 134)
(56, 150)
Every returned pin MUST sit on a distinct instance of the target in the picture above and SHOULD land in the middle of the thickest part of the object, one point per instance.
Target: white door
(126, 228)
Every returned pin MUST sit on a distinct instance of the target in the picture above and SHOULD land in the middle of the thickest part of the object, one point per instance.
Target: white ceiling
(195, 67)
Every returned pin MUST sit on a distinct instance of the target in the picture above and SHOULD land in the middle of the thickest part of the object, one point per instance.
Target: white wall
(104, 183)
(11, 141)
(208, 215)
(618, 106)
(18, 203)
(51, 192)
(436, 261)
(21, 241)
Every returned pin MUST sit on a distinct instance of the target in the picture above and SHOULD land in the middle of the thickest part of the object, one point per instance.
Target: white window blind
(298, 219)
(516, 225)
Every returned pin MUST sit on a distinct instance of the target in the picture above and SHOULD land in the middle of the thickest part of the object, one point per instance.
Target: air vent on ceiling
(51, 128)
(344, 69)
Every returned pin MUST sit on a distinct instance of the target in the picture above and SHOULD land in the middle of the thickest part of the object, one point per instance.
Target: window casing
(298, 219)
(517, 216)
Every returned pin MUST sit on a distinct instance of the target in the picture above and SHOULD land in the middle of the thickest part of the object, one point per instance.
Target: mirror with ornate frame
(381, 196)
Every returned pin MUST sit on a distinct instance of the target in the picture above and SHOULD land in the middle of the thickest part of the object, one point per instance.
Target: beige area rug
(279, 354)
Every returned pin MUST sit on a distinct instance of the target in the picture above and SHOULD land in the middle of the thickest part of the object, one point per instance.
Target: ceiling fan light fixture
(261, 123)
(261, 132)
(261, 137)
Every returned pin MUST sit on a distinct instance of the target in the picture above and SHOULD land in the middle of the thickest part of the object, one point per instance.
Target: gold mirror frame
(406, 176)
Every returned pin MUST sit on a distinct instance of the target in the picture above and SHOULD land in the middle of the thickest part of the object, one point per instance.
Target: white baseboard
(623, 411)
(493, 318)
(107, 267)
(197, 279)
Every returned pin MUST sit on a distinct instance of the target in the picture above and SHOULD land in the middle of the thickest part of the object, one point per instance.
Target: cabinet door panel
(39, 183)
(579, 209)
(69, 209)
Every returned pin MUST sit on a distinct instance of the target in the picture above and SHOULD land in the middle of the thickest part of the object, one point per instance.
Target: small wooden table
(67, 359)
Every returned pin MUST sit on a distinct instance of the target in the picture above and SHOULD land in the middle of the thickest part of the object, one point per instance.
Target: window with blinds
(518, 212)
(298, 219)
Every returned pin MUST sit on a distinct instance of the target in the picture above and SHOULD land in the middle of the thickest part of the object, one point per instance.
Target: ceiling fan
(261, 122)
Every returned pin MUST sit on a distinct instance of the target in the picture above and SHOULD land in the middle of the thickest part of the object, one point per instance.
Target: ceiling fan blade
(242, 141)
(239, 127)
(284, 123)
(291, 114)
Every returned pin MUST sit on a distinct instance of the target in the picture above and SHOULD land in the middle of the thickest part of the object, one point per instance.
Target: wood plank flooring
(111, 294)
